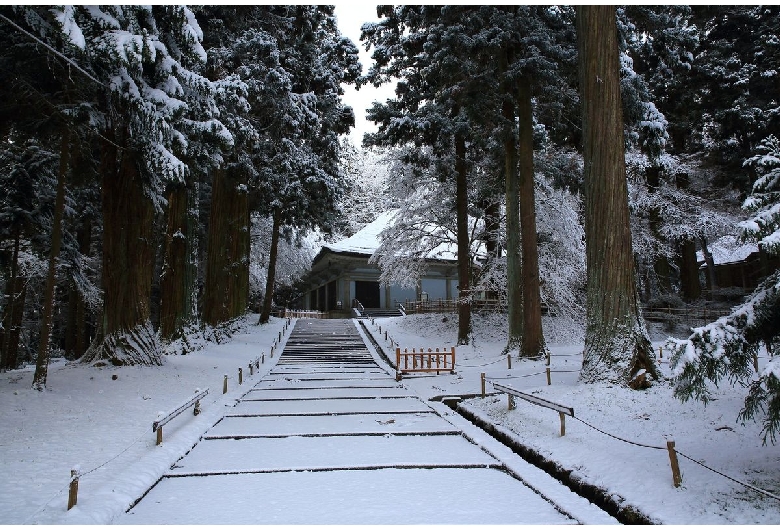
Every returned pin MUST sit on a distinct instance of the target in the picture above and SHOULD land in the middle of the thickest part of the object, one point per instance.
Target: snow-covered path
(329, 437)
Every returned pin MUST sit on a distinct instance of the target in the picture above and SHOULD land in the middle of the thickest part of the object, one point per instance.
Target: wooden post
(240, 376)
(676, 477)
(73, 493)
(549, 381)
(511, 401)
(224, 385)
(660, 352)
(280, 337)
(509, 361)
(262, 358)
(196, 410)
(159, 435)
(482, 379)
(272, 351)
(563, 423)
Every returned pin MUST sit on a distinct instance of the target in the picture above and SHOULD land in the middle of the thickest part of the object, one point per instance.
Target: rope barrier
(512, 377)
(754, 488)
(741, 483)
(617, 437)
(480, 365)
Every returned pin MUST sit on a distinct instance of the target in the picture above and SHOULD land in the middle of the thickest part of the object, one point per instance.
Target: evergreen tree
(617, 347)
(727, 348)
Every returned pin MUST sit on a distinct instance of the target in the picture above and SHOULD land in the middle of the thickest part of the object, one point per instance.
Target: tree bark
(76, 334)
(689, 271)
(125, 336)
(617, 346)
(226, 292)
(711, 278)
(265, 314)
(177, 284)
(533, 337)
(464, 254)
(514, 269)
(13, 313)
(44, 353)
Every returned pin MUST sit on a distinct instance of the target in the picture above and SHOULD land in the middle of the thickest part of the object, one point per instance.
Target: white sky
(350, 17)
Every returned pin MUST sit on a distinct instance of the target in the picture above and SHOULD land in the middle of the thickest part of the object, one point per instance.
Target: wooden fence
(424, 360)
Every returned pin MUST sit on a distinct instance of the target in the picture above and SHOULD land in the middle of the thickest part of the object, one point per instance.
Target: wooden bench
(157, 425)
(426, 360)
(562, 410)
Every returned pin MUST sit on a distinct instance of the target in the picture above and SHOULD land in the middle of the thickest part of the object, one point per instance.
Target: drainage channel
(625, 514)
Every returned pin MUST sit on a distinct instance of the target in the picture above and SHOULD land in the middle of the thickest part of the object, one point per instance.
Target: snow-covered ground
(636, 476)
(102, 425)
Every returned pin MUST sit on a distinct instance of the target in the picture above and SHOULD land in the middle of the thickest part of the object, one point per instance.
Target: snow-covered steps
(328, 406)
(252, 455)
(383, 496)
(328, 437)
(331, 425)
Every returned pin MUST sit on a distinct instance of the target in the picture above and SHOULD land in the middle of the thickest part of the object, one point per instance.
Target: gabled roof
(367, 240)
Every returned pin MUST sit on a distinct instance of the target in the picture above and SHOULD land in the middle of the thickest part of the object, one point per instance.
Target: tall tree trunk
(492, 227)
(265, 314)
(617, 346)
(177, 283)
(126, 336)
(689, 271)
(514, 269)
(708, 259)
(464, 254)
(76, 333)
(533, 337)
(13, 312)
(44, 353)
(226, 291)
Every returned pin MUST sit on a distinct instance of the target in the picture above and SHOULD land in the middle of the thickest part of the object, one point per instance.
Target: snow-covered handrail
(562, 410)
(162, 419)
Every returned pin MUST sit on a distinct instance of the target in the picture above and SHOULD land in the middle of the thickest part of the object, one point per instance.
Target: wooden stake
(511, 401)
(509, 361)
(240, 376)
(159, 435)
(660, 352)
(224, 385)
(549, 381)
(563, 423)
(482, 378)
(73, 493)
(251, 369)
(676, 476)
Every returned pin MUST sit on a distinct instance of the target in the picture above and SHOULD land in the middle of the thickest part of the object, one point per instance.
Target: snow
(367, 240)
(102, 425)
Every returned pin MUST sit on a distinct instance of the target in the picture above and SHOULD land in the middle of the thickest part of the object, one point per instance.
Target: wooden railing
(424, 360)
(157, 425)
(562, 410)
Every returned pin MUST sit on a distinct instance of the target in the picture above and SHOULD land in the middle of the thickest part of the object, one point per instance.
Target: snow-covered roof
(728, 249)
(366, 240)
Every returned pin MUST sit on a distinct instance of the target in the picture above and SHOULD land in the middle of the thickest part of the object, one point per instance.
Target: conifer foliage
(727, 348)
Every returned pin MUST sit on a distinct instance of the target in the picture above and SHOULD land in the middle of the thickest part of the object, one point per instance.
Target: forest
(166, 169)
